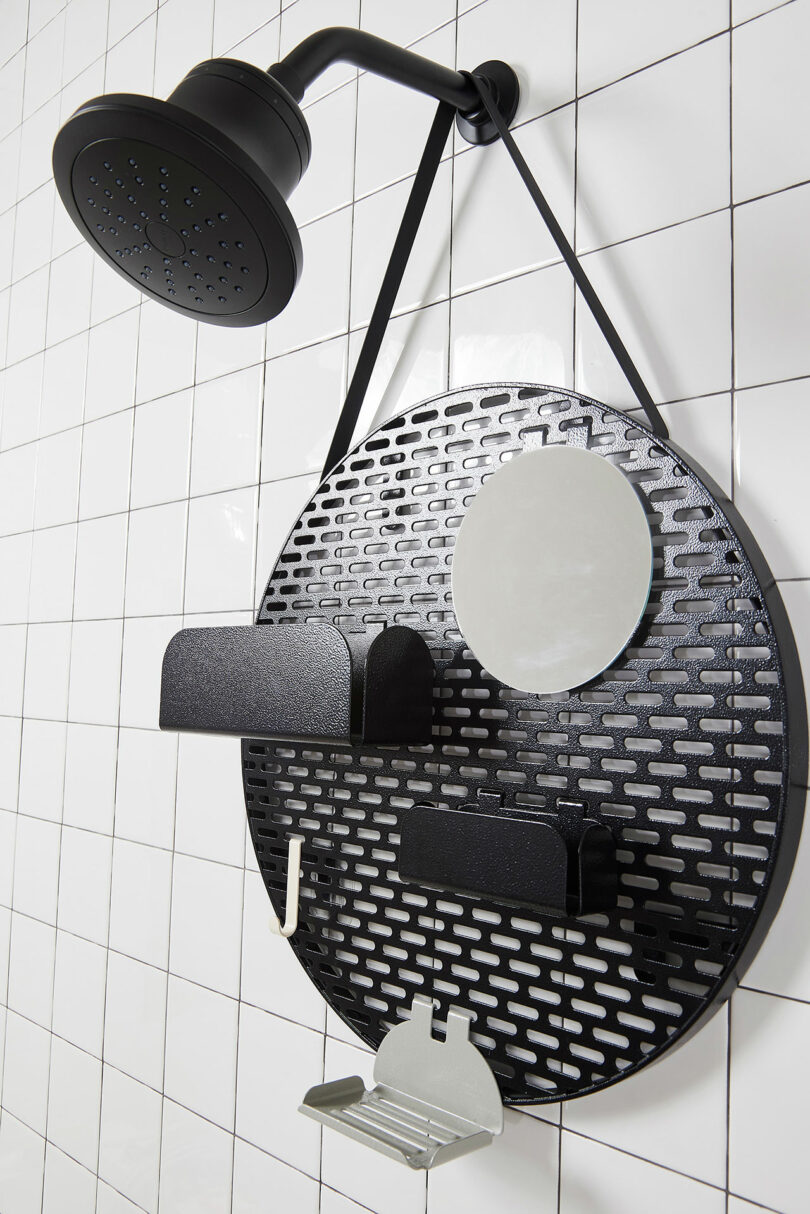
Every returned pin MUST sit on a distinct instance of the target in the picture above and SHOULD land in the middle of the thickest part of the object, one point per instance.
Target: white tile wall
(155, 1037)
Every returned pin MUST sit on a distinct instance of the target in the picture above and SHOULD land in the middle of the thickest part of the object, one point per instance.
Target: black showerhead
(186, 197)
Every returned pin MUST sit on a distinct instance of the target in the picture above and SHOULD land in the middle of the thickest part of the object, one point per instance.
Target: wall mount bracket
(432, 1100)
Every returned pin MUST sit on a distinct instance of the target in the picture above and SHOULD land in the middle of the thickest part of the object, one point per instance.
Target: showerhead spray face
(186, 198)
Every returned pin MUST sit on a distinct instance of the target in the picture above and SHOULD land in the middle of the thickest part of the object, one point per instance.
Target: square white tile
(165, 350)
(771, 289)
(135, 1019)
(210, 798)
(412, 365)
(769, 1101)
(768, 476)
(201, 1032)
(255, 1174)
(129, 1155)
(630, 35)
(516, 331)
(278, 1061)
(220, 553)
(538, 40)
(141, 896)
(79, 992)
(69, 1188)
(25, 1071)
(106, 461)
(130, 63)
(327, 184)
(161, 450)
(95, 672)
(489, 196)
(770, 89)
(36, 868)
(101, 549)
(145, 642)
(53, 569)
(42, 767)
(18, 471)
(320, 306)
(668, 294)
(47, 663)
(672, 1113)
(222, 351)
(517, 1172)
(196, 1163)
(181, 42)
(145, 787)
(90, 767)
(15, 554)
(156, 553)
(594, 1177)
(57, 497)
(376, 222)
(69, 287)
(653, 149)
(303, 395)
(12, 663)
(225, 444)
(22, 399)
(272, 976)
(10, 738)
(393, 123)
(74, 1102)
(31, 966)
(111, 354)
(84, 884)
(22, 1160)
(206, 923)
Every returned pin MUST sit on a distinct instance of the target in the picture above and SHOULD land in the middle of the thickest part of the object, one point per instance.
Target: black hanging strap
(414, 210)
(617, 346)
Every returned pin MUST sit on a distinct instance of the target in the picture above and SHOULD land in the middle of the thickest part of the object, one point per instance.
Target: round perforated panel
(681, 749)
(169, 226)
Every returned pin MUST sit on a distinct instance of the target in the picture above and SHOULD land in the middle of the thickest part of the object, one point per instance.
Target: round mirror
(552, 569)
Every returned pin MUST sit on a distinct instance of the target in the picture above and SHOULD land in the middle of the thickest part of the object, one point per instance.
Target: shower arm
(297, 70)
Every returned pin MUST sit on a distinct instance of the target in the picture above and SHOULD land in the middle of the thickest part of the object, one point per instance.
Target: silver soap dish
(432, 1100)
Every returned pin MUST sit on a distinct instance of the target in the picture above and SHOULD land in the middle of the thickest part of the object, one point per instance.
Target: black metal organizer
(691, 752)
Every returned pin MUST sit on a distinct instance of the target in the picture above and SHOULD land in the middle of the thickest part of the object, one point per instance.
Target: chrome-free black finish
(691, 750)
(186, 197)
(562, 864)
(306, 681)
(341, 44)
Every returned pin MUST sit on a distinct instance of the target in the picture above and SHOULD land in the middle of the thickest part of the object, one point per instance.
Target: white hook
(293, 882)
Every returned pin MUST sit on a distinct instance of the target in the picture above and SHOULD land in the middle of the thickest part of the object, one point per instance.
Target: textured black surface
(692, 750)
(522, 858)
(302, 681)
(295, 683)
